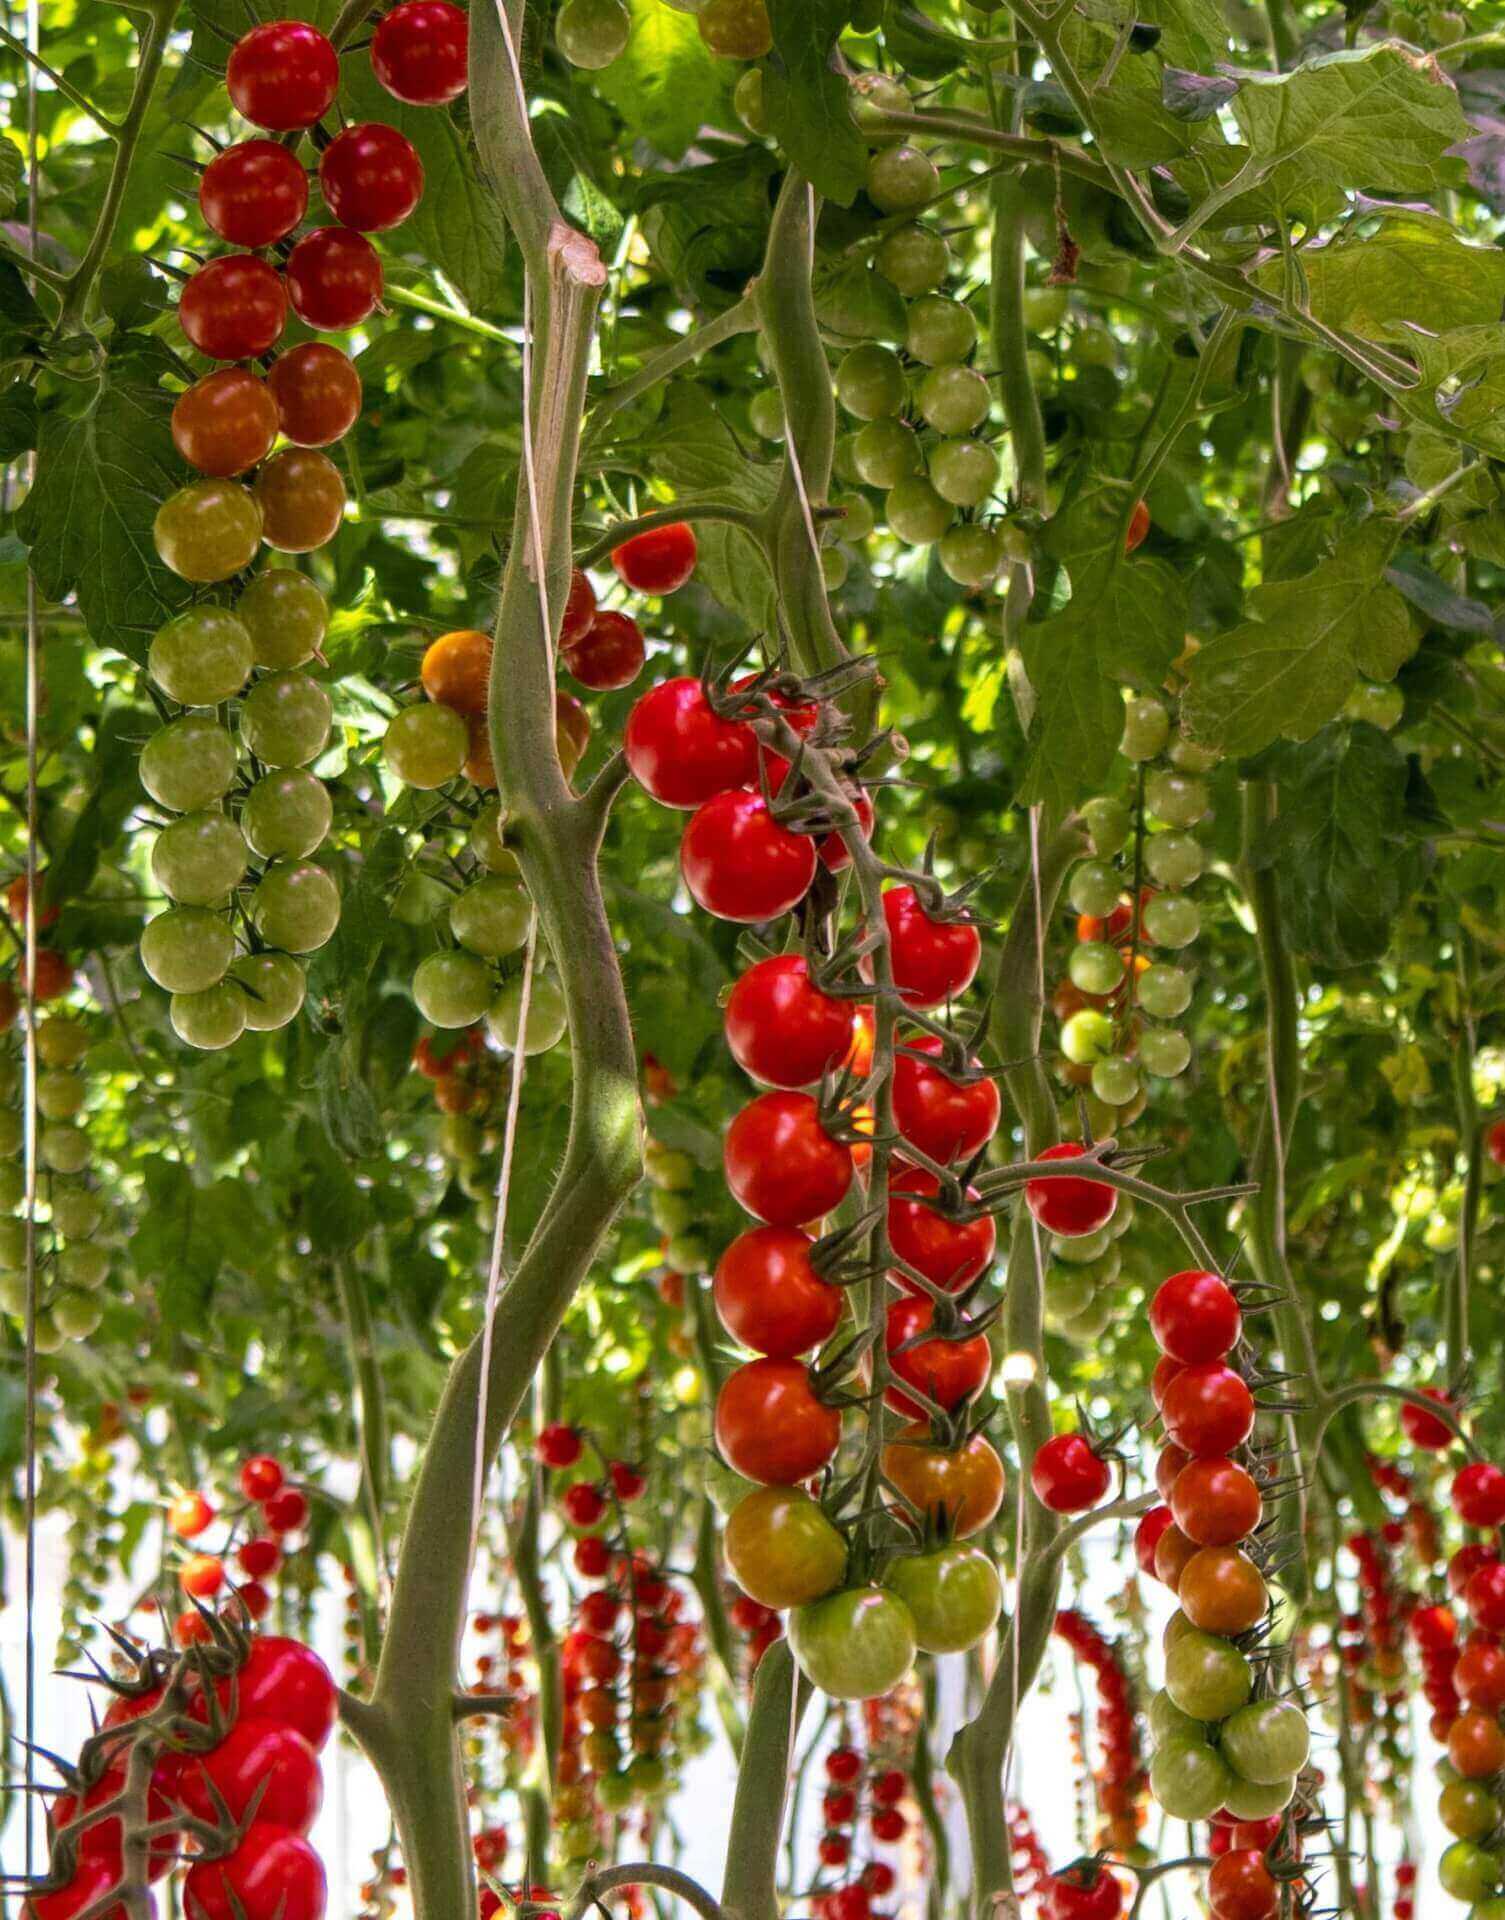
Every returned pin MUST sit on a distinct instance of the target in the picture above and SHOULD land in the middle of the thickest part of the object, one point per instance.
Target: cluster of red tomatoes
(1120, 1779)
(242, 1773)
(858, 1791)
(283, 77)
(271, 1508)
(1031, 1862)
(53, 973)
(1221, 1753)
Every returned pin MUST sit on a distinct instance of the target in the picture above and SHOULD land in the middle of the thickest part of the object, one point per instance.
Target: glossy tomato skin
(1424, 1429)
(855, 1645)
(770, 1297)
(609, 655)
(1067, 1205)
(945, 1118)
(283, 76)
(419, 52)
(271, 1875)
(579, 610)
(371, 177)
(253, 194)
(1086, 1891)
(780, 1162)
(781, 1028)
(317, 392)
(950, 1253)
(1241, 1887)
(102, 1840)
(255, 1756)
(660, 561)
(1478, 1494)
(1139, 526)
(932, 960)
(953, 1595)
(771, 1428)
(1067, 1476)
(281, 1680)
(1194, 1317)
(1215, 1502)
(1222, 1591)
(963, 1485)
(225, 422)
(835, 855)
(234, 307)
(91, 1880)
(1147, 1537)
(946, 1371)
(740, 864)
(1209, 1410)
(681, 751)
(334, 279)
(781, 1548)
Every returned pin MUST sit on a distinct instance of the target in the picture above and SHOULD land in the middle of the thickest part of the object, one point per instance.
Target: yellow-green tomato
(953, 1595)
(854, 1645)
(782, 1549)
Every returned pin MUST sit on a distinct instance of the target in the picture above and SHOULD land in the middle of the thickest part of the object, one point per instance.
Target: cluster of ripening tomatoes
(242, 1775)
(53, 973)
(1120, 1778)
(283, 78)
(859, 1791)
(270, 1508)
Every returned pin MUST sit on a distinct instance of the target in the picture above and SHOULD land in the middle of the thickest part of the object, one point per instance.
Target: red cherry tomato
(262, 1757)
(286, 1511)
(1215, 1502)
(781, 1028)
(371, 177)
(740, 864)
(1478, 1494)
(558, 1446)
(234, 307)
(950, 1253)
(225, 422)
(780, 1162)
(660, 561)
(1241, 1887)
(1139, 526)
(1194, 1317)
(584, 1504)
(281, 1680)
(271, 1875)
(1068, 1205)
(317, 391)
(188, 1514)
(609, 656)
(1209, 1410)
(258, 1557)
(260, 1476)
(202, 1575)
(89, 1882)
(945, 1118)
(51, 975)
(770, 1297)
(579, 611)
(283, 76)
(334, 279)
(1147, 1536)
(834, 854)
(1067, 1476)
(253, 194)
(1424, 1429)
(102, 1839)
(681, 751)
(1086, 1891)
(419, 52)
(771, 1428)
(932, 960)
(946, 1371)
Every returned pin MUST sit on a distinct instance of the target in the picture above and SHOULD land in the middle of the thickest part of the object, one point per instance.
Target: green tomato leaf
(103, 469)
(667, 84)
(1413, 264)
(808, 101)
(1289, 669)
(1079, 712)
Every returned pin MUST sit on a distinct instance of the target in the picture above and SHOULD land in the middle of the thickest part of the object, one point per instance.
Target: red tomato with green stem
(681, 751)
(740, 864)
(271, 1875)
(283, 76)
(234, 307)
(264, 1757)
(1208, 1410)
(771, 1427)
(1068, 1476)
(780, 1162)
(947, 1371)
(334, 279)
(781, 1028)
(659, 561)
(770, 1297)
(932, 960)
(950, 1253)
(946, 1119)
(1068, 1205)
(1194, 1317)
(253, 194)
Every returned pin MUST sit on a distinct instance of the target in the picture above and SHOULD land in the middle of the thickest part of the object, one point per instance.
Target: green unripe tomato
(1042, 369)
(1168, 1723)
(1164, 991)
(487, 844)
(1205, 1675)
(60, 1094)
(1164, 1052)
(916, 513)
(201, 657)
(1189, 1780)
(12, 1133)
(286, 617)
(76, 1315)
(1266, 1742)
(901, 179)
(870, 382)
(1087, 1037)
(860, 520)
(287, 813)
(1094, 347)
(592, 33)
(671, 1213)
(1109, 824)
(953, 400)
(1171, 920)
(1178, 799)
(547, 1017)
(187, 949)
(1173, 859)
(285, 720)
(886, 452)
(1468, 1871)
(1093, 1321)
(765, 411)
(296, 907)
(953, 1595)
(914, 259)
(1068, 1293)
(209, 1020)
(1044, 308)
(1084, 1249)
(1147, 727)
(1096, 967)
(1018, 548)
(459, 1137)
(1468, 1809)
(491, 917)
(452, 989)
(188, 764)
(62, 1041)
(1093, 889)
(686, 1252)
(84, 1265)
(426, 745)
(941, 331)
(965, 472)
(273, 986)
(970, 556)
(1375, 705)
(1192, 758)
(12, 1186)
(873, 95)
(420, 900)
(13, 1246)
(208, 530)
(736, 29)
(1115, 1081)
(1253, 1800)
(748, 103)
(199, 859)
(834, 568)
(76, 1211)
(667, 1168)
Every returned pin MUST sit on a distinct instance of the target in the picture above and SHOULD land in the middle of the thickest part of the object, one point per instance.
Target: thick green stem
(1010, 340)
(1471, 1145)
(750, 1890)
